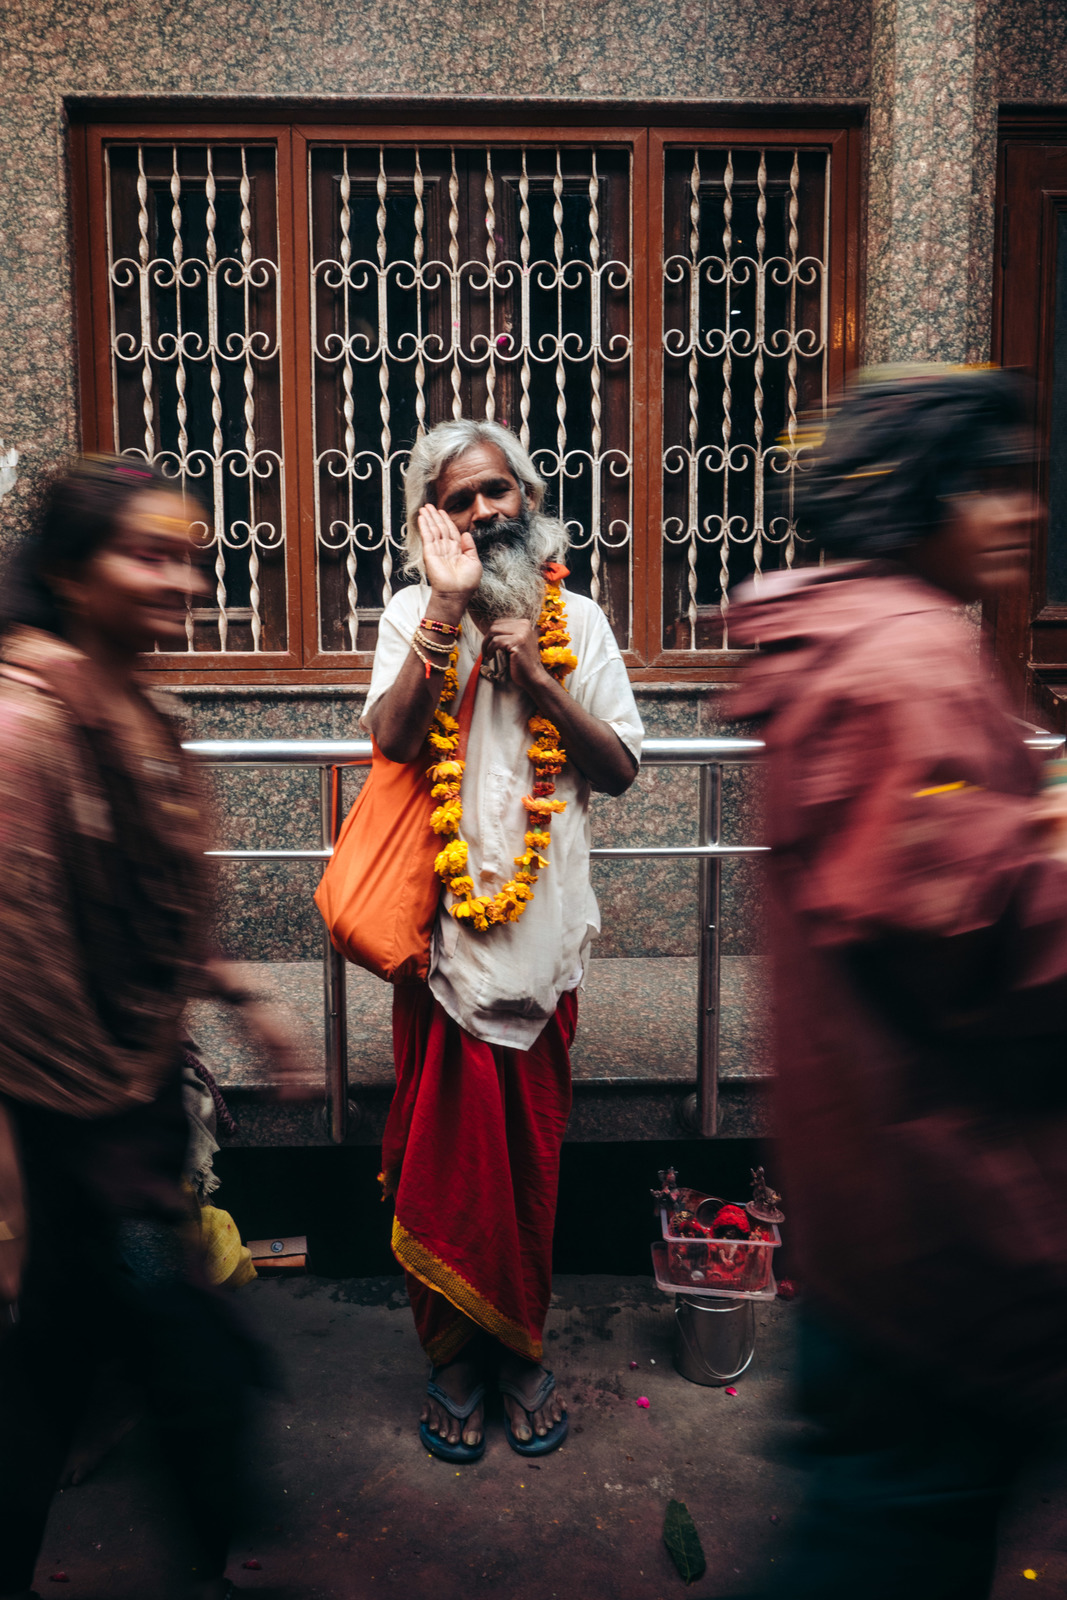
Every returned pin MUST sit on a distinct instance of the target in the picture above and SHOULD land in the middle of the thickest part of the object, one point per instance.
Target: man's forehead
(479, 464)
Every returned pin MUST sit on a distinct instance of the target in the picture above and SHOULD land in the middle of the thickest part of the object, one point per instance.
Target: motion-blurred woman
(103, 922)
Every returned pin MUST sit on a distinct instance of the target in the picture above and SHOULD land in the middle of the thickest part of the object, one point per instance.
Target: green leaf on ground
(683, 1541)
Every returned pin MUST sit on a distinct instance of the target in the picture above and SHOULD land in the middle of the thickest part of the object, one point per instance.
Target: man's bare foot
(527, 1377)
(458, 1380)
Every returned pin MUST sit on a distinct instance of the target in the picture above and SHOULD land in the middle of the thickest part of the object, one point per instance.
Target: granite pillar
(933, 132)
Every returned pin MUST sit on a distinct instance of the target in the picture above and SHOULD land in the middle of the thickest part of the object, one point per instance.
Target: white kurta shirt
(504, 984)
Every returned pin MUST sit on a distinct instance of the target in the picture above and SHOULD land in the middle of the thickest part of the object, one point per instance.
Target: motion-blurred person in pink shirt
(919, 928)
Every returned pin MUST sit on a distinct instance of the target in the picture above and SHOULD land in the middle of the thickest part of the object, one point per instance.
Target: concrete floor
(350, 1507)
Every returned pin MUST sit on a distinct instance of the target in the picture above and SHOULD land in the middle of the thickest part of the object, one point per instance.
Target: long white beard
(513, 585)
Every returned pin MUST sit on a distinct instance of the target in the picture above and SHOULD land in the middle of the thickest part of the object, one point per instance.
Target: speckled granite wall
(1032, 36)
(931, 180)
(774, 51)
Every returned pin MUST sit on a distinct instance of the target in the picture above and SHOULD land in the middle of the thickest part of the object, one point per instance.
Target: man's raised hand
(453, 569)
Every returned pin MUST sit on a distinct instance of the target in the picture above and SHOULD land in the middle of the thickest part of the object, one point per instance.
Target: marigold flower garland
(548, 757)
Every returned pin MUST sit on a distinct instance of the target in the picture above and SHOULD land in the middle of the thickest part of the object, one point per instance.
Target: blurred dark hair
(900, 444)
(77, 509)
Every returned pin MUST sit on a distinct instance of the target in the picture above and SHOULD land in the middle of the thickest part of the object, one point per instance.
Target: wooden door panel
(1030, 335)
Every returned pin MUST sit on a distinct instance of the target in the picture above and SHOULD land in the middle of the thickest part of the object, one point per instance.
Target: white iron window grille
(745, 353)
(273, 312)
(194, 319)
(488, 281)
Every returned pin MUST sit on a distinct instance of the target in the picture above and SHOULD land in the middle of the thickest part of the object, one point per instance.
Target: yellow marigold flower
(452, 859)
(445, 791)
(526, 877)
(443, 741)
(462, 885)
(543, 807)
(446, 769)
(446, 723)
(480, 912)
(543, 725)
(557, 758)
(560, 656)
(538, 839)
(528, 858)
(446, 818)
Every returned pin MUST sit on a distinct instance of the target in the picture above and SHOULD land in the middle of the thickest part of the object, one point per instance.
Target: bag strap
(466, 709)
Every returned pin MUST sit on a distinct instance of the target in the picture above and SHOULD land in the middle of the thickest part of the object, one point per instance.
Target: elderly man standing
(472, 1143)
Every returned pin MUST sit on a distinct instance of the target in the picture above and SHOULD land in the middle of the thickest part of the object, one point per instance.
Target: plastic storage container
(731, 1266)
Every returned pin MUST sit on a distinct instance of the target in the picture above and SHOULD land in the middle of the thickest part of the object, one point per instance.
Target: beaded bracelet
(433, 642)
(431, 666)
(452, 629)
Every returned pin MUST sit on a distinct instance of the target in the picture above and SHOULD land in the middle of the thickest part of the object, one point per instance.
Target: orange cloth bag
(379, 893)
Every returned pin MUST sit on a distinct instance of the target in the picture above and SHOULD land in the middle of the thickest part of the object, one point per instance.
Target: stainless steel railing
(709, 755)
(330, 755)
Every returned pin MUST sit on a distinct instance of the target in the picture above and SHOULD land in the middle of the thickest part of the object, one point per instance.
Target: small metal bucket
(716, 1338)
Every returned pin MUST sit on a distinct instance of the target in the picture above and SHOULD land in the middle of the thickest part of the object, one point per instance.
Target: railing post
(708, 974)
(333, 977)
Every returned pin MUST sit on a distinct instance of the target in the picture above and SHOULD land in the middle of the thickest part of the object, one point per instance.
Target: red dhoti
(471, 1152)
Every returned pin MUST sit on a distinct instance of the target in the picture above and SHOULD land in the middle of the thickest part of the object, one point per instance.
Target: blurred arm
(12, 1210)
(55, 1050)
(908, 854)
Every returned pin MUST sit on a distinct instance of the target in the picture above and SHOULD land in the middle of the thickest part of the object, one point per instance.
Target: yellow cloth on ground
(226, 1260)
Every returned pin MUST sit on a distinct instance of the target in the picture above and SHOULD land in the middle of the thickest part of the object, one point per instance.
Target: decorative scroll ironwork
(194, 337)
(746, 349)
(488, 281)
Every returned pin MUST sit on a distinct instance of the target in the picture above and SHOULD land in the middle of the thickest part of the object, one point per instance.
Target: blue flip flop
(555, 1435)
(461, 1454)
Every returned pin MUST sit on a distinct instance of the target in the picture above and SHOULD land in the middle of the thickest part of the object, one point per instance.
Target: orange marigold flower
(475, 911)
(556, 758)
(445, 791)
(541, 807)
(543, 725)
(538, 839)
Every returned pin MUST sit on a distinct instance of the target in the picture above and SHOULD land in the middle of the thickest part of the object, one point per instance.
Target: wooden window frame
(649, 130)
(1028, 630)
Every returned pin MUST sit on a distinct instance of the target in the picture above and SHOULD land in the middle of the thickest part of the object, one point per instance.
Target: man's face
(983, 547)
(482, 496)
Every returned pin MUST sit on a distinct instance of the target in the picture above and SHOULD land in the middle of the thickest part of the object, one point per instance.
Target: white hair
(434, 451)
